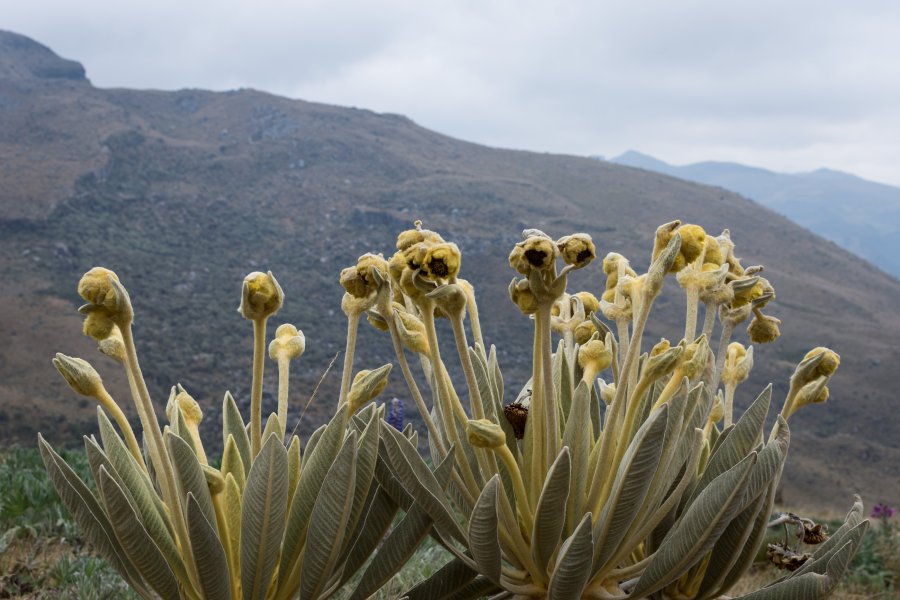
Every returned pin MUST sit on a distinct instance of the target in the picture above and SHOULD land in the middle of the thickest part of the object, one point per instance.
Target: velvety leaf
(233, 424)
(135, 540)
(573, 567)
(189, 476)
(262, 518)
(209, 555)
(550, 513)
(484, 537)
(697, 531)
(328, 521)
(88, 514)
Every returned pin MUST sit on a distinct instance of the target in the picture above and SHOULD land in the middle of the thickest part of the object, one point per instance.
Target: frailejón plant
(271, 523)
(645, 486)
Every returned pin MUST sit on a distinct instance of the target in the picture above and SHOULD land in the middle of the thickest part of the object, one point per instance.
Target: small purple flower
(395, 414)
(882, 511)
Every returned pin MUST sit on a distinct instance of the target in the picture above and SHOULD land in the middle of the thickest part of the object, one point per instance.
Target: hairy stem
(259, 350)
(709, 319)
(284, 370)
(349, 351)
(551, 419)
(721, 351)
(109, 404)
(690, 317)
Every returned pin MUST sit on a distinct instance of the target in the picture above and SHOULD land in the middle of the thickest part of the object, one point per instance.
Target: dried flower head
(785, 558)
(516, 414)
(814, 533)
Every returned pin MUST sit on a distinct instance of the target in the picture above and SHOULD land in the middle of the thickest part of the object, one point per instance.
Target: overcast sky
(790, 86)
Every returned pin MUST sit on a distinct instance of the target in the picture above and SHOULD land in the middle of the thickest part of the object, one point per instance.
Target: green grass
(42, 553)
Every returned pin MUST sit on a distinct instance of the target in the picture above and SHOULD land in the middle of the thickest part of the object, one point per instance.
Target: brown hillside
(183, 193)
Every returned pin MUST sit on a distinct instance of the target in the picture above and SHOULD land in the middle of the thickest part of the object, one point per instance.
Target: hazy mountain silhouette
(859, 215)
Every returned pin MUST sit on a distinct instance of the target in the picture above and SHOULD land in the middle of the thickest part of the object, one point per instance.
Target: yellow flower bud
(712, 257)
(718, 411)
(415, 236)
(107, 301)
(577, 249)
(214, 479)
(695, 357)
(261, 296)
(483, 433)
(412, 332)
(113, 346)
(584, 331)
(96, 287)
(693, 238)
(738, 362)
(353, 283)
(522, 296)
(660, 347)
(662, 360)
(289, 343)
(814, 392)
(763, 329)
(535, 252)
(79, 374)
(189, 408)
(829, 362)
(589, 301)
(98, 324)
(594, 356)
(441, 261)
(376, 320)
(746, 290)
(366, 387)
(607, 391)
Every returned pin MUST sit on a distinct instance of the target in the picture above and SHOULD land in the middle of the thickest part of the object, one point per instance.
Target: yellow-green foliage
(579, 488)
(273, 521)
(647, 498)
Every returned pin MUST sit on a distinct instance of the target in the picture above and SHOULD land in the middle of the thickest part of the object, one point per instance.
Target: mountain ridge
(860, 215)
(182, 193)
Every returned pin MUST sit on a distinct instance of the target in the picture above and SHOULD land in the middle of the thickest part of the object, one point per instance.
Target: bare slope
(183, 193)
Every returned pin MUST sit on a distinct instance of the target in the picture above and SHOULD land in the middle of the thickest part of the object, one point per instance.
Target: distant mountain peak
(23, 58)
